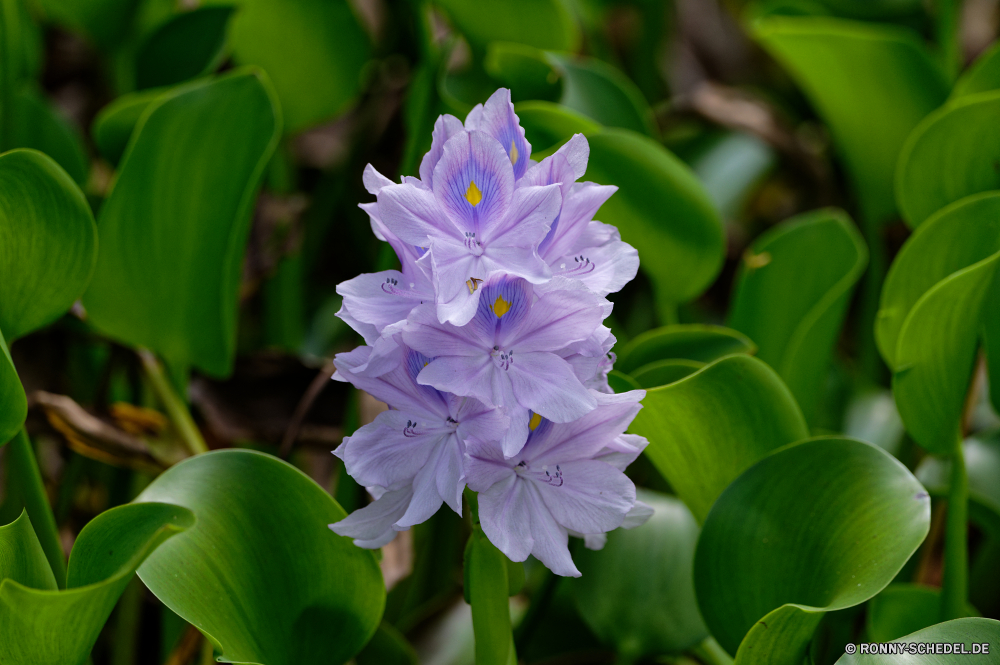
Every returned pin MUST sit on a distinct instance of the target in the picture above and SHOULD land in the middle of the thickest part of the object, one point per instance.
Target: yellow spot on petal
(500, 306)
(535, 421)
(473, 195)
(473, 284)
(513, 153)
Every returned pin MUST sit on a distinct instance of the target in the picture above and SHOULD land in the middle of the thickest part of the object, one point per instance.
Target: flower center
(502, 359)
(545, 475)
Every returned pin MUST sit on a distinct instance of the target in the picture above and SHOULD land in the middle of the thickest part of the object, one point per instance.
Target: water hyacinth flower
(489, 348)
(557, 483)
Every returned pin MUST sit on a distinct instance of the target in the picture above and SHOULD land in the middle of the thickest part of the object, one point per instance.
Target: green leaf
(48, 627)
(691, 341)
(113, 126)
(870, 109)
(588, 86)
(707, 429)
(22, 558)
(926, 327)
(901, 609)
(662, 372)
(38, 125)
(543, 24)
(982, 464)
(602, 92)
(188, 45)
(260, 574)
(731, 169)
(387, 647)
(12, 397)
(547, 125)
(621, 382)
(662, 210)
(953, 153)
(791, 295)
(312, 50)
(764, 573)
(486, 590)
(190, 174)
(43, 214)
(983, 75)
(105, 22)
(637, 593)
(969, 631)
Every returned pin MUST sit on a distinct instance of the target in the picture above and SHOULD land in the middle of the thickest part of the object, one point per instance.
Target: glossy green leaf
(662, 210)
(260, 574)
(547, 125)
(791, 295)
(525, 70)
(14, 402)
(486, 584)
(188, 45)
(662, 372)
(983, 75)
(22, 558)
(691, 341)
(967, 631)
(42, 626)
(602, 92)
(637, 593)
(953, 153)
(870, 109)
(901, 609)
(621, 382)
(982, 465)
(312, 50)
(113, 126)
(38, 125)
(543, 24)
(104, 22)
(190, 174)
(764, 573)
(936, 286)
(43, 214)
(707, 429)
(387, 647)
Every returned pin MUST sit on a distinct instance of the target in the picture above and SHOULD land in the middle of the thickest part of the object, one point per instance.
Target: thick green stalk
(21, 464)
(947, 19)
(177, 409)
(486, 590)
(710, 653)
(955, 584)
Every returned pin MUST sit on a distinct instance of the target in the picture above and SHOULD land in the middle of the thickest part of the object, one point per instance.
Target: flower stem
(176, 408)
(955, 583)
(23, 467)
(487, 593)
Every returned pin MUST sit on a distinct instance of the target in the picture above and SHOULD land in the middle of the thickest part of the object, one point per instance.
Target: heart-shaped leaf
(707, 429)
(982, 464)
(764, 573)
(113, 126)
(953, 153)
(982, 76)
(43, 214)
(970, 632)
(260, 574)
(42, 626)
(662, 372)
(185, 46)
(870, 110)
(936, 286)
(791, 295)
(662, 210)
(542, 24)
(691, 341)
(171, 283)
(637, 593)
(298, 43)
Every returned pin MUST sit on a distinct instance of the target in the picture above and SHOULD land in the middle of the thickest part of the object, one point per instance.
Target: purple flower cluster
(489, 346)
